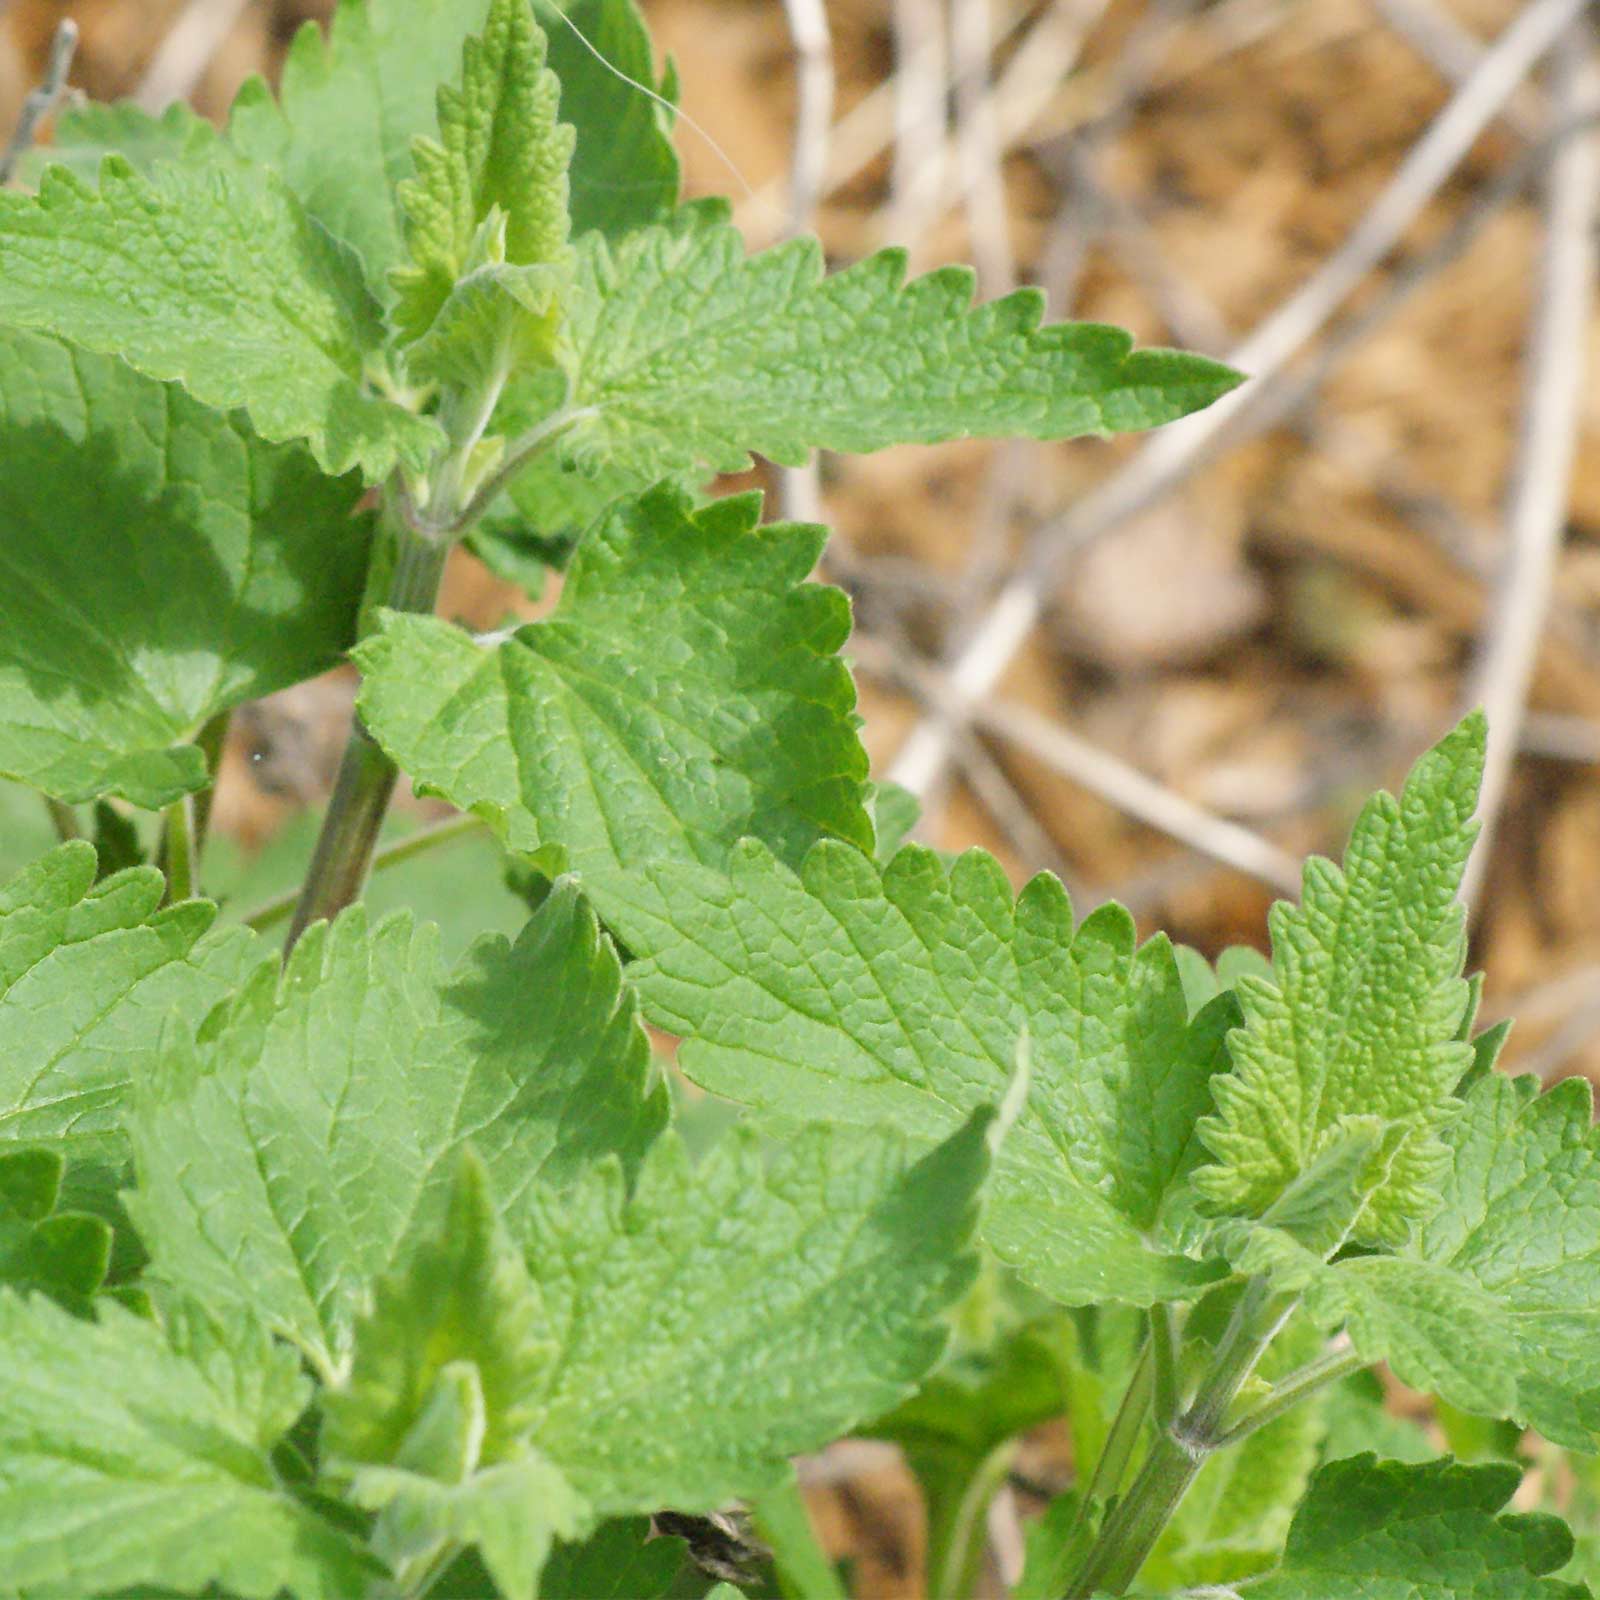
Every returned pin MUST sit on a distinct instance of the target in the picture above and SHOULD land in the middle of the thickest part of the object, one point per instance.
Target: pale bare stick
(189, 47)
(865, 131)
(1552, 417)
(921, 83)
(979, 152)
(814, 90)
(1453, 50)
(800, 491)
(1141, 797)
(1170, 455)
(42, 100)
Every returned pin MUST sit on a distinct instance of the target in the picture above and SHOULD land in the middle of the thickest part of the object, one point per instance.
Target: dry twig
(1536, 514)
(43, 100)
(1169, 457)
(186, 51)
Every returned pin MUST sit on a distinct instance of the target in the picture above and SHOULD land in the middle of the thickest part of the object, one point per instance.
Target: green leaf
(723, 1318)
(510, 1513)
(1363, 1014)
(368, 90)
(461, 1301)
(1520, 1224)
(88, 972)
(690, 356)
(431, 1425)
(501, 163)
(1388, 1531)
(685, 693)
(213, 276)
(63, 1253)
(1495, 1305)
(1439, 1331)
(87, 132)
(620, 1561)
(624, 169)
(895, 997)
(321, 1117)
(364, 92)
(195, 567)
(128, 1461)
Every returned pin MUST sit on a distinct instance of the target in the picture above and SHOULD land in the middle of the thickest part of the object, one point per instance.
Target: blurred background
(1163, 668)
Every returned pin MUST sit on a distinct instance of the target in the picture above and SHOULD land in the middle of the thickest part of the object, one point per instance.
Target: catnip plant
(337, 1271)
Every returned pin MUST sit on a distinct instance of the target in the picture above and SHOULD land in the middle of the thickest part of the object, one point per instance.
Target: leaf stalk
(1181, 1449)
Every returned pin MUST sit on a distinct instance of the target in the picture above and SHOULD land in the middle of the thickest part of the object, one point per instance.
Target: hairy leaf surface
(689, 355)
(284, 1159)
(432, 1424)
(624, 169)
(1520, 1224)
(1387, 1531)
(214, 276)
(193, 568)
(88, 974)
(1364, 1013)
(684, 693)
(367, 89)
(131, 1458)
(723, 1318)
(500, 155)
(895, 997)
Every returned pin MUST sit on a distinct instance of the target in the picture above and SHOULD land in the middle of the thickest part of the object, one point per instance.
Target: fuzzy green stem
(177, 850)
(1121, 1438)
(1290, 1391)
(64, 819)
(1164, 1344)
(1137, 1520)
(210, 740)
(361, 792)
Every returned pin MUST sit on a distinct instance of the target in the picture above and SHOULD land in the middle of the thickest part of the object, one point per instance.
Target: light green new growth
(433, 1421)
(461, 1300)
(1387, 1531)
(132, 1460)
(690, 356)
(895, 997)
(85, 134)
(684, 694)
(322, 1116)
(364, 92)
(88, 974)
(195, 567)
(1363, 1016)
(214, 276)
(486, 215)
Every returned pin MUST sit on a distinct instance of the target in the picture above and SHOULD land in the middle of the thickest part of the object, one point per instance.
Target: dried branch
(1171, 455)
(187, 50)
(1536, 513)
(43, 100)
(978, 148)
(1140, 797)
(800, 491)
